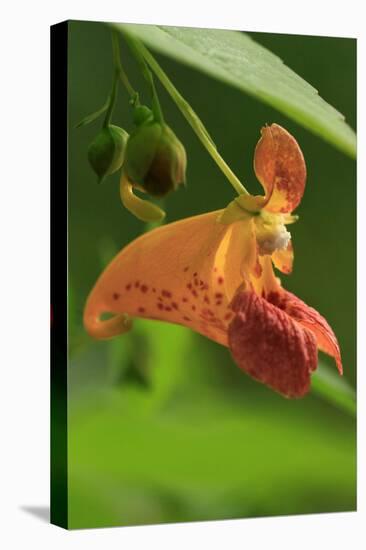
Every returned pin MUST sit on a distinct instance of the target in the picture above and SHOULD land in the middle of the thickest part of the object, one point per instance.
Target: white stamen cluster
(271, 234)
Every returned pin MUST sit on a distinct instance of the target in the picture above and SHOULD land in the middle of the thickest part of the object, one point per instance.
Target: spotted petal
(270, 346)
(186, 272)
(310, 319)
(280, 167)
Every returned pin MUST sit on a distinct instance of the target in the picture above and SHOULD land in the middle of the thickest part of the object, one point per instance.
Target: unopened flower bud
(106, 153)
(155, 159)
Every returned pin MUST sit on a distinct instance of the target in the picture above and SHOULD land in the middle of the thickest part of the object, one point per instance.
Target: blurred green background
(163, 427)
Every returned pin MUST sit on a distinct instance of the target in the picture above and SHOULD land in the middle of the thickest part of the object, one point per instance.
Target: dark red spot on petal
(166, 293)
(193, 308)
(207, 312)
(160, 306)
(184, 299)
(168, 308)
(206, 299)
(141, 310)
(219, 295)
(220, 280)
(137, 284)
(186, 318)
(186, 269)
(128, 287)
(144, 288)
(175, 305)
(115, 295)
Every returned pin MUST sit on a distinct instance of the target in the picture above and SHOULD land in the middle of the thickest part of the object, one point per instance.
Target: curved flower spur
(214, 274)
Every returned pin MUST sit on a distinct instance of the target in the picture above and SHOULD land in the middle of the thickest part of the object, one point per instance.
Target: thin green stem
(156, 108)
(189, 115)
(111, 101)
(120, 70)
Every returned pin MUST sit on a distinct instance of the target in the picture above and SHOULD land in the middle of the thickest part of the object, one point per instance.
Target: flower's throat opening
(267, 284)
(271, 233)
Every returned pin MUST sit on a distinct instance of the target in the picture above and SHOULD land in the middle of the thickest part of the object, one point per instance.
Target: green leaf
(237, 60)
(93, 116)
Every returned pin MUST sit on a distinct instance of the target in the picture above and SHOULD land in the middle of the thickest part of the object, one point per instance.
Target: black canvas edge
(59, 270)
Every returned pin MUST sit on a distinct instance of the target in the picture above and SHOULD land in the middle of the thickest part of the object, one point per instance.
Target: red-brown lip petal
(311, 319)
(280, 167)
(270, 346)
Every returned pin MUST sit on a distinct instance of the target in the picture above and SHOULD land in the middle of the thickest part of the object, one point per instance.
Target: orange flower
(214, 274)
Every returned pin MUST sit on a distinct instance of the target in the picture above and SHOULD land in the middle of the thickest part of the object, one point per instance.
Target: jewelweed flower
(214, 274)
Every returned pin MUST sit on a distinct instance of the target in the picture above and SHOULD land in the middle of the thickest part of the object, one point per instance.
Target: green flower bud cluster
(153, 160)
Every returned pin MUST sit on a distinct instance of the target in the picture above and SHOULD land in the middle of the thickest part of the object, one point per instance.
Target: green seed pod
(106, 153)
(155, 159)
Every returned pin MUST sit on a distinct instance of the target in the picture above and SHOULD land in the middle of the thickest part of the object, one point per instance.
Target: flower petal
(284, 259)
(185, 272)
(280, 167)
(272, 348)
(309, 318)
